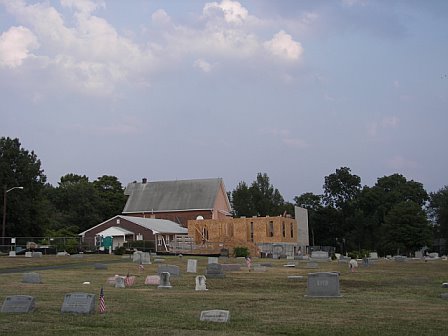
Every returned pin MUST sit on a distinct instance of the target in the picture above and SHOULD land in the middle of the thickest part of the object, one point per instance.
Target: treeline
(394, 215)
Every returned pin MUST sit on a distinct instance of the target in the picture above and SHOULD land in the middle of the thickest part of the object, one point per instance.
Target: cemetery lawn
(388, 298)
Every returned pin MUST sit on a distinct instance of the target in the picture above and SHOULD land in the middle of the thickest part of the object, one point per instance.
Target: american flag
(102, 304)
(248, 262)
(141, 267)
(129, 280)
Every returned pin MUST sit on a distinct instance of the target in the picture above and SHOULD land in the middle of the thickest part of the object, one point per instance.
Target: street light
(4, 211)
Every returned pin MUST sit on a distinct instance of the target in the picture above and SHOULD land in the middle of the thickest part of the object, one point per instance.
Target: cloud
(15, 46)
(282, 45)
(386, 122)
(285, 137)
(399, 162)
(232, 11)
(161, 17)
(83, 6)
(203, 65)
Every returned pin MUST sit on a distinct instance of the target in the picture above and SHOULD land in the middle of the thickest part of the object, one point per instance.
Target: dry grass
(389, 298)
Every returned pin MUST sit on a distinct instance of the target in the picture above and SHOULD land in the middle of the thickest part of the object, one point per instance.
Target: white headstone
(213, 260)
(192, 265)
(215, 315)
(201, 283)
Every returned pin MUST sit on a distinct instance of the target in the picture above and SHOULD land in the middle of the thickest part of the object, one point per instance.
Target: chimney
(144, 180)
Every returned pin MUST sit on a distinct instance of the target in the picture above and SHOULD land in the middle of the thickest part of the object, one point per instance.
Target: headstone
(112, 280)
(33, 278)
(434, 255)
(214, 271)
(266, 264)
(172, 269)
(28, 254)
(419, 254)
(146, 258)
(295, 277)
(119, 282)
(165, 280)
(201, 283)
(400, 258)
(129, 280)
(215, 315)
(344, 260)
(77, 256)
(213, 260)
(137, 256)
(192, 265)
(312, 264)
(323, 284)
(62, 254)
(159, 261)
(12, 253)
(290, 265)
(152, 280)
(289, 257)
(445, 285)
(36, 254)
(100, 266)
(373, 255)
(79, 303)
(231, 267)
(444, 296)
(18, 304)
(320, 255)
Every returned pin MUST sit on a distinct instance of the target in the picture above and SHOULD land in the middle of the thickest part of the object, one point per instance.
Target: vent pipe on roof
(144, 180)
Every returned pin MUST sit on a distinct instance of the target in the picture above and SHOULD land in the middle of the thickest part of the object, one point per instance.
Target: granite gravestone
(18, 304)
(152, 280)
(100, 266)
(231, 267)
(323, 284)
(172, 269)
(215, 315)
(213, 260)
(165, 280)
(33, 278)
(119, 282)
(214, 271)
(78, 303)
(201, 283)
(192, 266)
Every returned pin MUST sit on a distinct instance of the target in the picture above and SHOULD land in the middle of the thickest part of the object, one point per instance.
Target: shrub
(241, 251)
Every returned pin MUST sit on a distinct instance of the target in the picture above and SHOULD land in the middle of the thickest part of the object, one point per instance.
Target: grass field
(388, 298)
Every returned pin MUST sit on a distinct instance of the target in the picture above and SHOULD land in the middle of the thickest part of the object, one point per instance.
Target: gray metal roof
(155, 224)
(159, 196)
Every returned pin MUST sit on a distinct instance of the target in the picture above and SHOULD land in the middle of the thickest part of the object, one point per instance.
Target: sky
(182, 89)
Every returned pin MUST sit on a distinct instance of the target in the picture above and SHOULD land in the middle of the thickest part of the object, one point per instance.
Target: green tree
(341, 187)
(241, 200)
(266, 199)
(438, 210)
(111, 196)
(25, 214)
(406, 228)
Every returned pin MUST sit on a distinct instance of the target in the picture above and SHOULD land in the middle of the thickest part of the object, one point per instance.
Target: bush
(241, 251)
(120, 250)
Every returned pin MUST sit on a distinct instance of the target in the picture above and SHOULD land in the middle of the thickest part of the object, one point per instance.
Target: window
(283, 230)
(252, 232)
(292, 230)
(271, 229)
(159, 240)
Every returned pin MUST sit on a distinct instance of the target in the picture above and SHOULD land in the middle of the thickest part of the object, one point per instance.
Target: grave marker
(231, 267)
(192, 265)
(213, 260)
(119, 282)
(165, 280)
(100, 266)
(215, 315)
(33, 278)
(152, 280)
(214, 271)
(201, 283)
(172, 269)
(323, 284)
(18, 304)
(79, 303)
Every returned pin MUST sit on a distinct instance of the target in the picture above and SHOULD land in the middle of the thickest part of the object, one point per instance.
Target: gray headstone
(100, 266)
(33, 278)
(321, 255)
(213, 260)
(295, 277)
(444, 296)
(165, 280)
(172, 269)
(373, 255)
(201, 283)
(214, 271)
(192, 266)
(79, 303)
(400, 258)
(312, 264)
(18, 304)
(323, 284)
(36, 254)
(12, 253)
(159, 261)
(28, 254)
(215, 315)
(62, 254)
(119, 282)
(231, 267)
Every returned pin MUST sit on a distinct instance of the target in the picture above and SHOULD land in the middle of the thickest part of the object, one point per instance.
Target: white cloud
(203, 65)
(15, 46)
(232, 11)
(282, 45)
(161, 17)
(390, 122)
(386, 122)
(284, 135)
(351, 3)
(83, 6)
(399, 162)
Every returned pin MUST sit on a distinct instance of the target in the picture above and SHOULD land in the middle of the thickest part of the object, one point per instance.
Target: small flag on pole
(102, 303)
(129, 280)
(248, 262)
(141, 267)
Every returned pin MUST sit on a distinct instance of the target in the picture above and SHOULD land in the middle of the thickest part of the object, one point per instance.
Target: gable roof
(198, 194)
(154, 224)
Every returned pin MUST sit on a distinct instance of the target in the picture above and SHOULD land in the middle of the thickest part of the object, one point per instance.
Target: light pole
(4, 211)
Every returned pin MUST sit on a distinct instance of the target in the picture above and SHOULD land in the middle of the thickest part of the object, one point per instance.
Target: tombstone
(159, 261)
(213, 260)
(62, 254)
(12, 253)
(79, 303)
(28, 254)
(111, 280)
(289, 257)
(344, 260)
(434, 255)
(77, 256)
(444, 296)
(418, 254)
(323, 284)
(295, 277)
(119, 282)
(192, 265)
(100, 266)
(266, 264)
(18, 304)
(152, 280)
(290, 264)
(33, 278)
(172, 269)
(319, 255)
(201, 283)
(312, 264)
(214, 271)
(146, 260)
(215, 315)
(165, 280)
(373, 255)
(36, 254)
(231, 267)
(400, 258)
(445, 285)
(129, 281)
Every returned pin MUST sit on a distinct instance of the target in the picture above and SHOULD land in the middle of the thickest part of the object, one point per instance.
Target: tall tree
(241, 200)
(341, 187)
(111, 196)
(25, 208)
(438, 210)
(266, 199)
